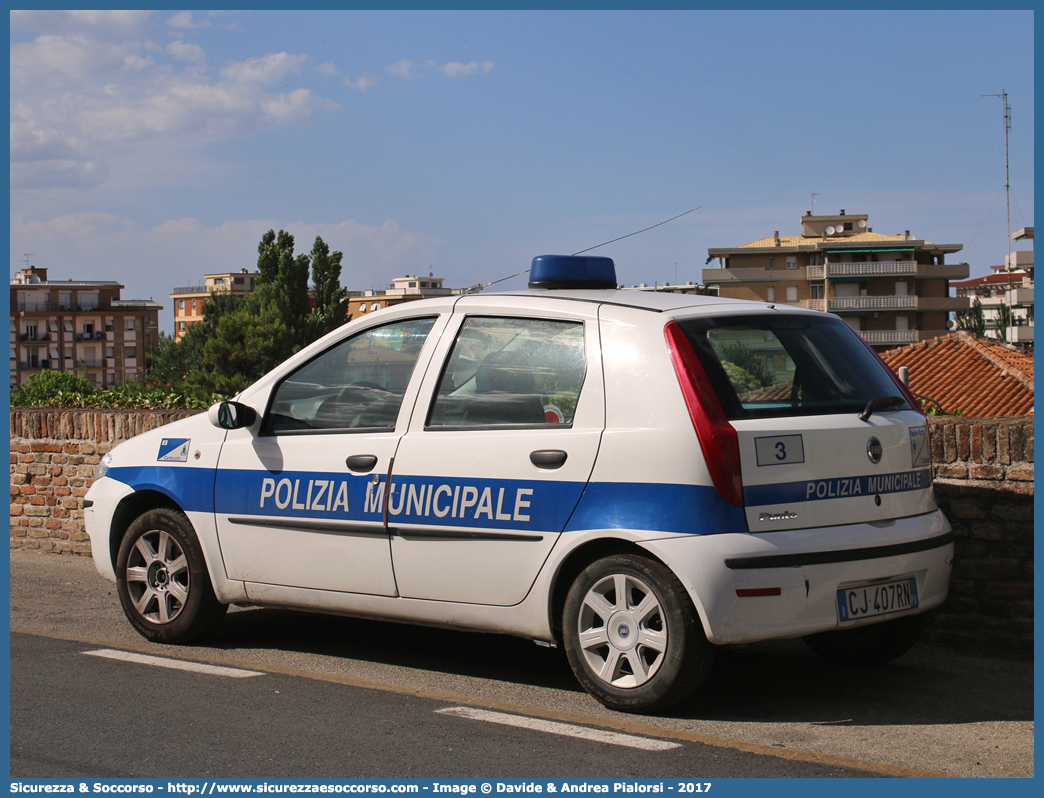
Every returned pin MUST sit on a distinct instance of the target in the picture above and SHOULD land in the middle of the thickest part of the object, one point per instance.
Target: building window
(375, 306)
(791, 261)
(413, 284)
(130, 351)
(792, 293)
(771, 293)
(181, 305)
(772, 263)
(129, 325)
(817, 290)
(362, 308)
(181, 326)
(30, 332)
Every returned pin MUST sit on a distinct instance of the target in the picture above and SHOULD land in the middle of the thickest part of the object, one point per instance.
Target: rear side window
(775, 365)
(509, 372)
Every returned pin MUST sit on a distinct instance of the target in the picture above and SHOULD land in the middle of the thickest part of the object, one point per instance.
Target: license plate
(882, 598)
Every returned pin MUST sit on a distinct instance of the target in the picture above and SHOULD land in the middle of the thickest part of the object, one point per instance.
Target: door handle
(361, 462)
(548, 458)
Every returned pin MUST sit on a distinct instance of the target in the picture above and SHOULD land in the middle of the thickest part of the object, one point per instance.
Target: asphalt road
(346, 697)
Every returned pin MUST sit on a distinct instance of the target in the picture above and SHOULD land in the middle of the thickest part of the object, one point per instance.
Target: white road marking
(565, 729)
(174, 664)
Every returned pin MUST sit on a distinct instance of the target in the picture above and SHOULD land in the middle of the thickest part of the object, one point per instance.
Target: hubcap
(622, 631)
(157, 577)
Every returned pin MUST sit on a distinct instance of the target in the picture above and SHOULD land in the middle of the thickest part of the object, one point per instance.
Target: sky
(152, 148)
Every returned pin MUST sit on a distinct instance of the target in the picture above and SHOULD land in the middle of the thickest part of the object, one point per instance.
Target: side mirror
(231, 415)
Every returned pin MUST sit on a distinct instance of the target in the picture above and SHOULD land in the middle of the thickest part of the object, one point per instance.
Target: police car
(637, 477)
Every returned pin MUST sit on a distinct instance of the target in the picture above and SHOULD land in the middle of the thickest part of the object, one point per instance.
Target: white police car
(636, 476)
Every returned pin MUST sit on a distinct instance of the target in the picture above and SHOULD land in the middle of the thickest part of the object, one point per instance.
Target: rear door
(794, 386)
(499, 449)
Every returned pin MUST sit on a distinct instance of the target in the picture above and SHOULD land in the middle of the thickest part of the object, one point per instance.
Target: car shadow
(776, 681)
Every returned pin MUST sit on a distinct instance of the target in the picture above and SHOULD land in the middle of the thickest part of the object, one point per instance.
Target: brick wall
(983, 479)
(53, 455)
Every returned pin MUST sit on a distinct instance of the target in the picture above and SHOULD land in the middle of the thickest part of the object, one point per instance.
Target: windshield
(775, 365)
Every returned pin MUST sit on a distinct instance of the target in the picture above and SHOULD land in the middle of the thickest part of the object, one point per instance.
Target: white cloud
(404, 69)
(265, 70)
(362, 84)
(151, 262)
(184, 21)
(186, 52)
(97, 24)
(455, 69)
(328, 69)
(81, 95)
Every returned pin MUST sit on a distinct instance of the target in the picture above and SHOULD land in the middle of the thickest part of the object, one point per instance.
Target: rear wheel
(875, 644)
(632, 635)
(162, 579)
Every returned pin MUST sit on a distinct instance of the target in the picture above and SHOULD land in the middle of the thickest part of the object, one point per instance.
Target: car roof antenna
(477, 288)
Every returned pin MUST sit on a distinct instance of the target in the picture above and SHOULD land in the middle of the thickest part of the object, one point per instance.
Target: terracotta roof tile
(979, 378)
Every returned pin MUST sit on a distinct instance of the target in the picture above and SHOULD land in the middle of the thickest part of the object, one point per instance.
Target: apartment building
(1010, 285)
(891, 289)
(188, 300)
(78, 325)
(402, 289)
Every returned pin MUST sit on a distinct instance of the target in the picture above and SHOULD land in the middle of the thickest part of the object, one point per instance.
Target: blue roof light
(572, 271)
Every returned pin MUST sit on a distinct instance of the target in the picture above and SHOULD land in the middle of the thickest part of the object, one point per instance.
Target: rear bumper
(808, 567)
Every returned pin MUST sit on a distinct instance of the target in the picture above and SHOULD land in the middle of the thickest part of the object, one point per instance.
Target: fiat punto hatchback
(637, 477)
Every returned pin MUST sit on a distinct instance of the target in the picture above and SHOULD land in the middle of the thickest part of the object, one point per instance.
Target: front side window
(505, 371)
(766, 366)
(358, 384)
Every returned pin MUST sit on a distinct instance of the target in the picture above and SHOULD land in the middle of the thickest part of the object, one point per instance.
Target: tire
(162, 579)
(633, 637)
(876, 644)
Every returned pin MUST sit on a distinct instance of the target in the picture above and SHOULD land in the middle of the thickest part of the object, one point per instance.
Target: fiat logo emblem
(874, 450)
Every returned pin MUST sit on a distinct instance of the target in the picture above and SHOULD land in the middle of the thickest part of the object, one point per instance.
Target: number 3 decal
(781, 451)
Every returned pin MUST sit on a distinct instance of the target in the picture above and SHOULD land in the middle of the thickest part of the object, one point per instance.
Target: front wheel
(633, 637)
(162, 579)
(876, 644)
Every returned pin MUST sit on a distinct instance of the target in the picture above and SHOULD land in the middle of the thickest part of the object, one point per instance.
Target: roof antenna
(476, 288)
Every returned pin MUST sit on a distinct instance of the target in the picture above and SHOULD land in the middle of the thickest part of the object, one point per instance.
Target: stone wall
(984, 483)
(983, 479)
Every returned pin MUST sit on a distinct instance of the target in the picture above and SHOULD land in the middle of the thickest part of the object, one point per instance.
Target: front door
(295, 503)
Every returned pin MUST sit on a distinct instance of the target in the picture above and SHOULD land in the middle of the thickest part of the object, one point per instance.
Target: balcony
(1016, 297)
(861, 268)
(898, 337)
(841, 304)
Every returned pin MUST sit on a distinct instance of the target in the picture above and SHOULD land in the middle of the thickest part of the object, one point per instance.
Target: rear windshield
(775, 365)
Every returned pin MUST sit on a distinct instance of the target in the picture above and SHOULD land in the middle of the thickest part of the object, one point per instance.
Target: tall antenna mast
(1007, 182)
(814, 195)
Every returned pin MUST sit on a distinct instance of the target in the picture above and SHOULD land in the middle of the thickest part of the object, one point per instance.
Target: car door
(498, 451)
(297, 503)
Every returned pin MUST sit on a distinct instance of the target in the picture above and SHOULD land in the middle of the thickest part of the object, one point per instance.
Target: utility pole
(1007, 189)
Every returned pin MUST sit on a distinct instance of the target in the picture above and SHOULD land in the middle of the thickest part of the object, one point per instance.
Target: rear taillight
(717, 437)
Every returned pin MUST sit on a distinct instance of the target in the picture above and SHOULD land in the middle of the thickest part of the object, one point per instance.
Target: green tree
(1003, 321)
(973, 321)
(282, 280)
(244, 347)
(54, 388)
(330, 308)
